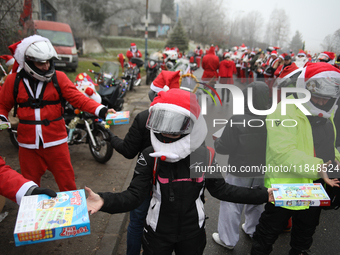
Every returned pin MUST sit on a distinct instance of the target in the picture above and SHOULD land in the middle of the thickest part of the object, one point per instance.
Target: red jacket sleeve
(12, 184)
(129, 54)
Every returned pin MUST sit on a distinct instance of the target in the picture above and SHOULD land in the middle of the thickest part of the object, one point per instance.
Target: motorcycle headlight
(152, 63)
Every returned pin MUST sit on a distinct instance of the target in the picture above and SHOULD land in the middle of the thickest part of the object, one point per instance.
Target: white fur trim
(19, 54)
(23, 189)
(10, 62)
(155, 88)
(98, 110)
(182, 148)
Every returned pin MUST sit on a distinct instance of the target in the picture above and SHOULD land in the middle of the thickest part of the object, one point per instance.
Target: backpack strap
(36, 103)
(18, 77)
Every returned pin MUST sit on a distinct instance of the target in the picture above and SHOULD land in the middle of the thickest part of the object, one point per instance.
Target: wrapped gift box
(42, 218)
(118, 118)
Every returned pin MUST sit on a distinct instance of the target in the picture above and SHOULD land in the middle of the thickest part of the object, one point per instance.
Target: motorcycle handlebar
(92, 71)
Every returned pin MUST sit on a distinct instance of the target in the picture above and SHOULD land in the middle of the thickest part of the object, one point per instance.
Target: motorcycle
(154, 67)
(131, 72)
(83, 127)
(111, 89)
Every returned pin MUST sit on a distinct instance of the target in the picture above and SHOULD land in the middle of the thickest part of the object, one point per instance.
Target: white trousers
(230, 213)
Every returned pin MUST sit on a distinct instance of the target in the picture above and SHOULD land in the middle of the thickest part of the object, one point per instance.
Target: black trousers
(274, 219)
(153, 245)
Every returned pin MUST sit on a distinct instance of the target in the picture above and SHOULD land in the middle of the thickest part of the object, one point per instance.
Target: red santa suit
(226, 70)
(210, 65)
(42, 135)
(133, 52)
(198, 53)
(12, 184)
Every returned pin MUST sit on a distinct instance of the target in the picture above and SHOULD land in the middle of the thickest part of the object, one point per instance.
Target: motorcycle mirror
(95, 64)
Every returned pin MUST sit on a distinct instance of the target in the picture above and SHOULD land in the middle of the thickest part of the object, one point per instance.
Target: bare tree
(328, 43)
(204, 20)
(9, 23)
(337, 41)
(251, 28)
(278, 28)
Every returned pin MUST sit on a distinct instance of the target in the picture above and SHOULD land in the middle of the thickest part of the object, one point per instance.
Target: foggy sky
(314, 19)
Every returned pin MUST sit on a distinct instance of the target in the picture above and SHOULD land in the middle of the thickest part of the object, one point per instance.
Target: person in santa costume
(136, 140)
(226, 69)
(198, 55)
(328, 57)
(301, 59)
(175, 219)
(280, 64)
(134, 52)
(41, 132)
(269, 71)
(210, 65)
(309, 143)
(14, 186)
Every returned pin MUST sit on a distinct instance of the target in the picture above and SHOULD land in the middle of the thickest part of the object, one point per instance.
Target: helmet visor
(324, 87)
(169, 122)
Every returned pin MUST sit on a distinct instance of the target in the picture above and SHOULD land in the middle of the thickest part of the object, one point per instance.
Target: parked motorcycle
(111, 89)
(131, 72)
(154, 67)
(83, 127)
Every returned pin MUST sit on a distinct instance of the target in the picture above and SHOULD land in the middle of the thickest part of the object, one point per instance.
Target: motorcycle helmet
(41, 51)
(175, 113)
(327, 56)
(170, 55)
(322, 80)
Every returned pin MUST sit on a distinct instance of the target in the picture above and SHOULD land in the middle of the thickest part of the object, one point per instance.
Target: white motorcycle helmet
(170, 55)
(322, 80)
(41, 51)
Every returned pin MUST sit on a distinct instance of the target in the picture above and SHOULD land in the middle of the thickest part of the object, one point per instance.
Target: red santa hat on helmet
(286, 74)
(178, 100)
(327, 55)
(9, 60)
(273, 53)
(166, 80)
(322, 80)
(133, 44)
(301, 53)
(183, 104)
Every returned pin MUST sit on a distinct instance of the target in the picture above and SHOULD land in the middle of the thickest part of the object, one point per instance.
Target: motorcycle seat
(103, 91)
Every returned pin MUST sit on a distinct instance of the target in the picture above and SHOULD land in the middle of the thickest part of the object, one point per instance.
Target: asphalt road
(326, 238)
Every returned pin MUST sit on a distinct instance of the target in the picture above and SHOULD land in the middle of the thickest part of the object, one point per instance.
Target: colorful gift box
(42, 218)
(300, 194)
(118, 118)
